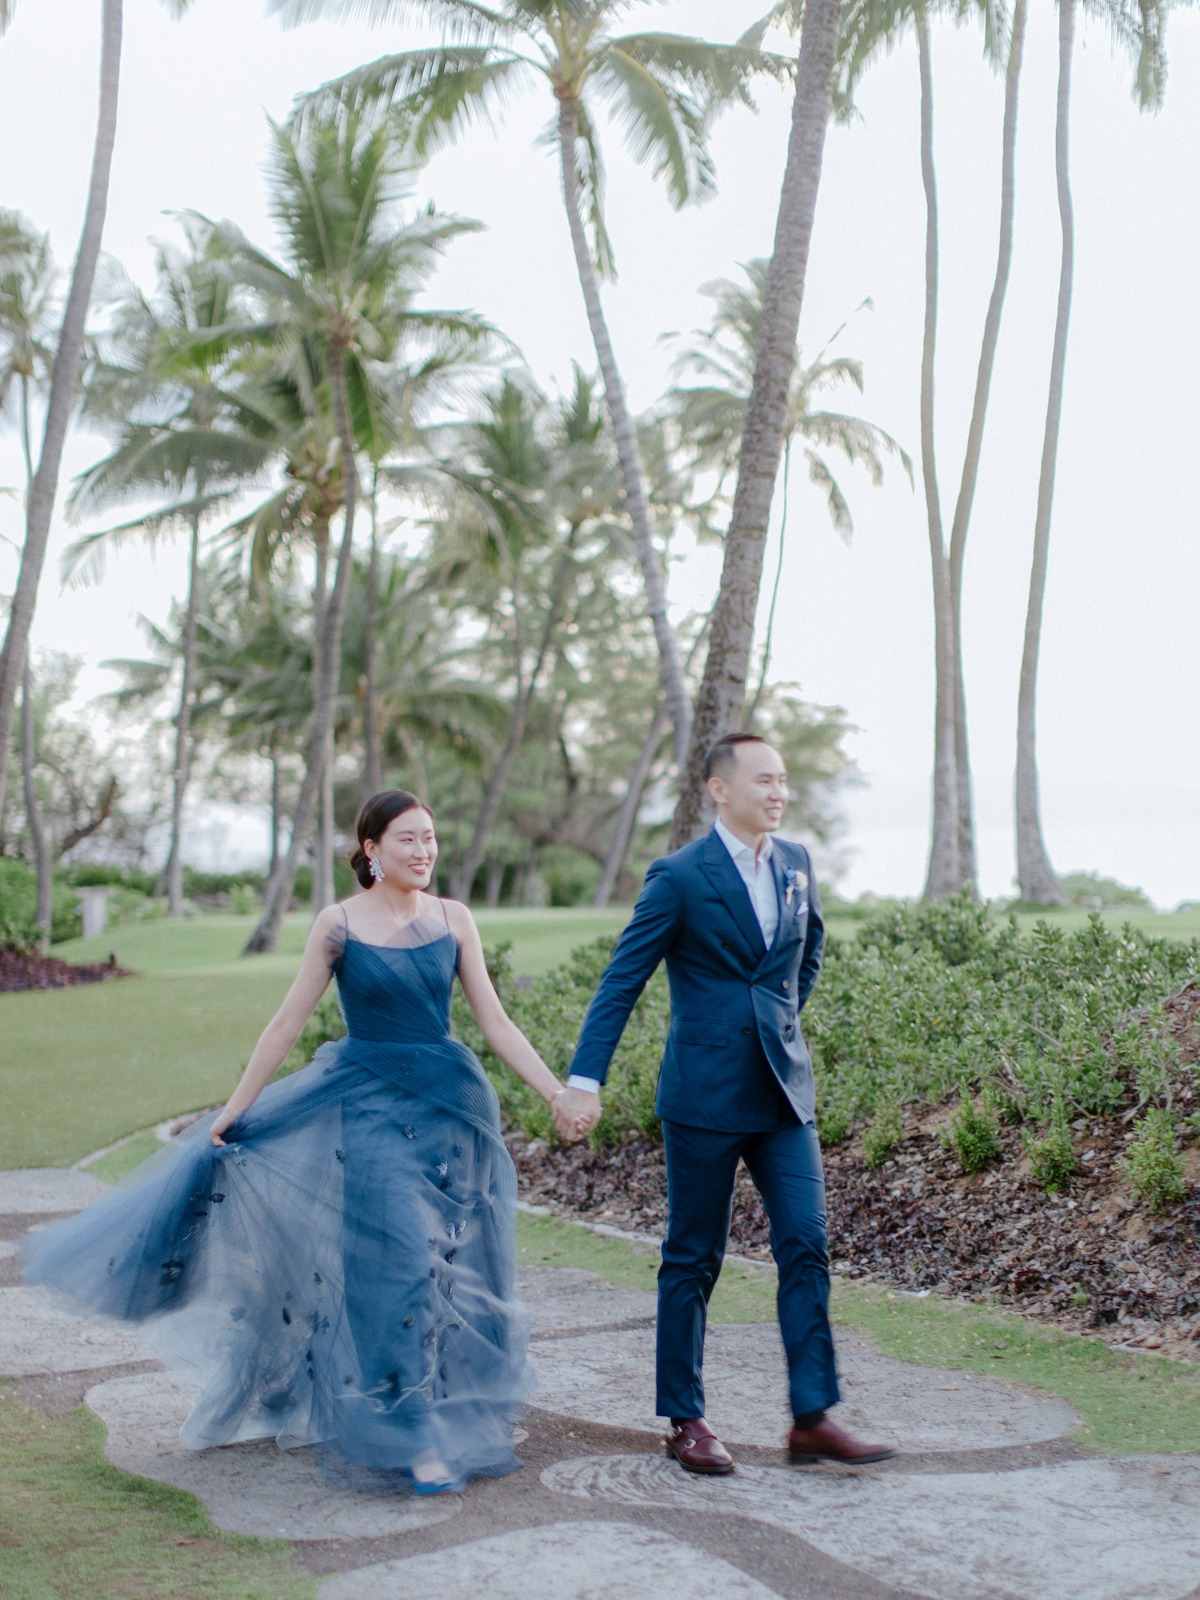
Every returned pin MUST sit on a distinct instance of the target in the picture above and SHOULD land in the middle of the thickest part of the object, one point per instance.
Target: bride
(336, 1252)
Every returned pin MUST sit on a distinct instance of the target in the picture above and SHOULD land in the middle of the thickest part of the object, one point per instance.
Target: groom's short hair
(723, 754)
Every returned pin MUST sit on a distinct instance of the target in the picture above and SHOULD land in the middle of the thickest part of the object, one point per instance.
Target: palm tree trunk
(183, 726)
(63, 379)
(322, 890)
(493, 793)
(33, 815)
(1036, 878)
(942, 877)
(670, 667)
(626, 817)
(771, 609)
(279, 889)
(722, 693)
(967, 864)
(372, 762)
(276, 804)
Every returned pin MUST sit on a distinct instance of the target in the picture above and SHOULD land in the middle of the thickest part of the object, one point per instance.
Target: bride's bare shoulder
(458, 916)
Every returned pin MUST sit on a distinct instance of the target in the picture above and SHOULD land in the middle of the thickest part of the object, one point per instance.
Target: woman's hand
(576, 1112)
(224, 1118)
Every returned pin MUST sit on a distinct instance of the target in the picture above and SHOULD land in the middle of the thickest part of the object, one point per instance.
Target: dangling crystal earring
(376, 870)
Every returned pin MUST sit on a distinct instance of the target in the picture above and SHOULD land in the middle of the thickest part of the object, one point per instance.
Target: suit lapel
(786, 931)
(717, 865)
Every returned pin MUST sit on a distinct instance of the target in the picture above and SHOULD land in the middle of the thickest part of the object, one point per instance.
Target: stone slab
(562, 1298)
(1077, 1530)
(38, 1336)
(609, 1377)
(39, 1189)
(247, 1488)
(569, 1561)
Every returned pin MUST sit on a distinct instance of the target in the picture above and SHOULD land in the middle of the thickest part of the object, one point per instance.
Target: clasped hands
(575, 1112)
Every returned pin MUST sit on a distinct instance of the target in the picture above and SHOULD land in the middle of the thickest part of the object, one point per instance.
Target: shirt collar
(738, 850)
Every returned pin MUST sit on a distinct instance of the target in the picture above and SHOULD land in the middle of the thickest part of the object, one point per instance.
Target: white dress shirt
(756, 874)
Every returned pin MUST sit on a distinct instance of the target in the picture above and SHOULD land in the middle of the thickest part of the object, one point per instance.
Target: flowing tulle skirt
(342, 1274)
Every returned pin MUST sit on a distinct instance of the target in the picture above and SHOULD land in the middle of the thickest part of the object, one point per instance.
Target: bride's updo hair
(373, 821)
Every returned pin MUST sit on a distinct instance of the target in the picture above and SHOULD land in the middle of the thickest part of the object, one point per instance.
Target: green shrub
(102, 874)
(1152, 1162)
(833, 1121)
(216, 885)
(1051, 1154)
(883, 1135)
(18, 907)
(924, 997)
(246, 899)
(973, 1132)
(325, 1023)
(570, 876)
(1090, 889)
(550, 1012)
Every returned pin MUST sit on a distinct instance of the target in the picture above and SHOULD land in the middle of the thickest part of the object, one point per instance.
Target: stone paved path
(989, 1501)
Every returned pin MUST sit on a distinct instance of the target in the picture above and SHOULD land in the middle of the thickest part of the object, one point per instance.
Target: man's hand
(576, 1112)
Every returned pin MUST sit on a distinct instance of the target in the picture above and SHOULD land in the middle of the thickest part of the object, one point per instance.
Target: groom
(736, 918)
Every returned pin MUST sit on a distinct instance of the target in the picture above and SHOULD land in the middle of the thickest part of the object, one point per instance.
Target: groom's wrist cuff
(576, 1081)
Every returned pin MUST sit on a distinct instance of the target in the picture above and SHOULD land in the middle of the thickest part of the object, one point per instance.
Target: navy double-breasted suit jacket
(734, 1042)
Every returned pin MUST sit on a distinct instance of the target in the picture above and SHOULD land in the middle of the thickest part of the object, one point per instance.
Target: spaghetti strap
(345, 918)
(445, 913)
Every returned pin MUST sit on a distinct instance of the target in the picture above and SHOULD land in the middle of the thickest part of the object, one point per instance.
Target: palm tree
(710, 415)
(425, 692)
(663, 88)
(1140, 27)
(526, 490)
(723, 688)
(40, 505)
(327, 313)
(26, 290)
(183, 434)
(871, 26)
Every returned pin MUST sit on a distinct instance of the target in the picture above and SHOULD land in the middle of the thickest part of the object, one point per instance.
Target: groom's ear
(717, 790)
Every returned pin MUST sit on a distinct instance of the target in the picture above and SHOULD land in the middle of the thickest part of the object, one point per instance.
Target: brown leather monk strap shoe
(697, 1449)
(825, 1441)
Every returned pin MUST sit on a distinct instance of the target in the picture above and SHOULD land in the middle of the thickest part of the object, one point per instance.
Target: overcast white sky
(1121, 660)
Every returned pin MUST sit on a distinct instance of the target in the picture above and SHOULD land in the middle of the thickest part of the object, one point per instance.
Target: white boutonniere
(795, 887)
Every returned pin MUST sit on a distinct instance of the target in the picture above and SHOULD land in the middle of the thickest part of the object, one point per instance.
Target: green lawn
(83, 1067)
(72, 1525)
(540, 940)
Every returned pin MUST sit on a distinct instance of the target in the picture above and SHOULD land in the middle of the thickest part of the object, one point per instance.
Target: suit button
(725, 945)
(747, 1030)
(787, 983)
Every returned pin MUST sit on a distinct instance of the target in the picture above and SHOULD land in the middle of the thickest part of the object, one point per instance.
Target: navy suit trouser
(786, 1168)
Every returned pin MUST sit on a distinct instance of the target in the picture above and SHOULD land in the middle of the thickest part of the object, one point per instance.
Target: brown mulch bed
(23, 969)
(1091, 1258)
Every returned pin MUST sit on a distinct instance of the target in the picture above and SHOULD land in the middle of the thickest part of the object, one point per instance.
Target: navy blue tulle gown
(343, 1273)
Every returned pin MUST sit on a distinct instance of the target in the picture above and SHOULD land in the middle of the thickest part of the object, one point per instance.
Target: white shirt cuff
(576, 1081)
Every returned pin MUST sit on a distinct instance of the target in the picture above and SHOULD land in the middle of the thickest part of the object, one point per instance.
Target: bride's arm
(284, 1028)
(501, 1032)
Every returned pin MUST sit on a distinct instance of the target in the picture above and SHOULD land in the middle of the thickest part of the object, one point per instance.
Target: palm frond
(437, 92)
(715, 73)
(663, 125)
(84, 561)
(839, 510)
(464, 19)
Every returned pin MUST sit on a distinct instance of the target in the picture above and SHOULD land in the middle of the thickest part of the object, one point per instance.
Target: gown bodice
(397, 991)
